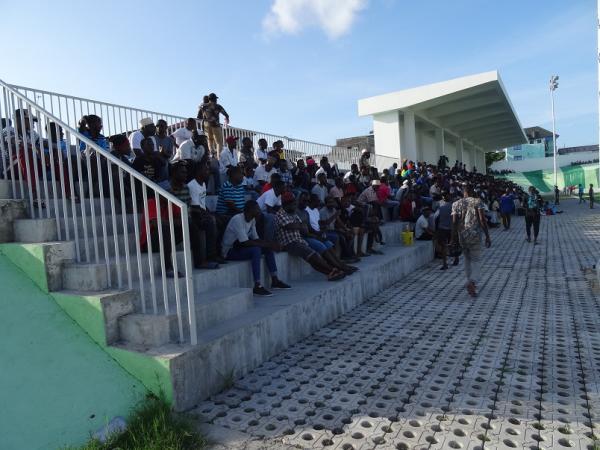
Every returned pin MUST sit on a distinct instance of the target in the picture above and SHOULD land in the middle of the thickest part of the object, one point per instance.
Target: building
(540, 145)
(461, 118)
(358, 142)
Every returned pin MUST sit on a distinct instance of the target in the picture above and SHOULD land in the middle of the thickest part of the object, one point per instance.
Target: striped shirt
(229, 192)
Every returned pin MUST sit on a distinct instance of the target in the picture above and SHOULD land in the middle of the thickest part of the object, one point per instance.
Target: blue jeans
(253, 254)
(317, 245)
(266, 226)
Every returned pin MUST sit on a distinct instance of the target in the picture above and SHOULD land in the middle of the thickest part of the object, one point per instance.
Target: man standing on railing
(209, 113)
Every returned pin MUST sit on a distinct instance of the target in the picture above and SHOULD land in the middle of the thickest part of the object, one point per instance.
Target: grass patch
(152, 426)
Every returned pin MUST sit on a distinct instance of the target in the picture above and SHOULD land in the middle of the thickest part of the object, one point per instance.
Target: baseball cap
(145, 122)
(231, 139)
(212, 96)
(375, 183)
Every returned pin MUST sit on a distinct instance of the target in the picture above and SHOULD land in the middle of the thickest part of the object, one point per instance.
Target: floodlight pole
(553, 86)
(598, 58)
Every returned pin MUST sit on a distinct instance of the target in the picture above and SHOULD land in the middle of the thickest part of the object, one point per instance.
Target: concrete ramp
(58, 384)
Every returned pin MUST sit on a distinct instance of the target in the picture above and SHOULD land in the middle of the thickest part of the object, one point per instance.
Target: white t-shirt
(135, 139)
(181, 135)
(313, 217)
(227, 158)
(421, 225)
(238, 230)
(188, 150)
(197, 194)
(260, 154)
(269, 199)
(261, 174)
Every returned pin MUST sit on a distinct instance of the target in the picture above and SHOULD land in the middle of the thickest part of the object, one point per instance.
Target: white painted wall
(527, 165)
(451, 152)
(428, 148)
(387, 134)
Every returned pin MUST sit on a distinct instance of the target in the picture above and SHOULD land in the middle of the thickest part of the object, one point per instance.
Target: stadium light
(553, 87)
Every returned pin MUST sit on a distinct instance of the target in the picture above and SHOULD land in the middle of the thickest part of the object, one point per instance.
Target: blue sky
(298, 67)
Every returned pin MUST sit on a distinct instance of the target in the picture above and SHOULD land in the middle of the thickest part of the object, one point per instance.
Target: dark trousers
(253, 254)
(506, 220)
(195, 242)
(203, 220)
(532, 218)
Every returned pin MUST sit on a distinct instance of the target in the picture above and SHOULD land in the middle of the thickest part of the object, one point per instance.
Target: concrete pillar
(386, 128)
(459, 150)
(440, 143)
(409, 142)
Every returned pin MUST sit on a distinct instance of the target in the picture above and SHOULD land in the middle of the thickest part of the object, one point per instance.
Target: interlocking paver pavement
(422, 366)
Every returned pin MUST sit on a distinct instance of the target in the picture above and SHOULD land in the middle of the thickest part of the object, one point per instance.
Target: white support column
(440, 144)
(387, 131)
(459, 150)
(409, 143)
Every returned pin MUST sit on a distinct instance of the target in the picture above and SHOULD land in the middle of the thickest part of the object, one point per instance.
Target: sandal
(471, 289)
(335, 275)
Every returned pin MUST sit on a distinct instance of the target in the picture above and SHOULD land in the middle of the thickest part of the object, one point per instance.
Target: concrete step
(212, 309)
(237, 345)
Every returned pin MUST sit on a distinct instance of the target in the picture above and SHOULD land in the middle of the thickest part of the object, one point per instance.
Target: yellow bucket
(408, 237)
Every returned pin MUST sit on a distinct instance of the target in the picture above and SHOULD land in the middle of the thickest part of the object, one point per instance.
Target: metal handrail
(30, 169)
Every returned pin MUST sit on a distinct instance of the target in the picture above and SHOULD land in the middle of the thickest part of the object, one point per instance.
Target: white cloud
(335, 17)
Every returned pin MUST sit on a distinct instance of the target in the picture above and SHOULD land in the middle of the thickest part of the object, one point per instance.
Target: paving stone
(422, 366)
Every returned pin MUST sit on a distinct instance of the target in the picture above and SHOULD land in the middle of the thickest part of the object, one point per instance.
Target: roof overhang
(476, 108)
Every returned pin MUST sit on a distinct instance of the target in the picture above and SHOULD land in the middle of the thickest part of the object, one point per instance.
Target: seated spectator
(261, 152)
(180, 190)
(384, 194)
(321, 189)
(317, 239)
(202, 218)
(423, 231)
(301, 177)
(353, 171)
(263, 173)
(193, 150)
(337, 191)
(149, 163)
(241, 243)
(352, 217)
(165, 146)
(246, 156)
(289, 228)
(147, 129)
(92, 130)
(364, 180)
(249, 182)
(269, 203)
(286, 175)
(275, 178)
(278, 149)
(232, 195)
(336, 231)
(180, 135)
(229, 155)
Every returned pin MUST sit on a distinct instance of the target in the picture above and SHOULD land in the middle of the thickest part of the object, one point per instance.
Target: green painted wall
(543, 180)
(58, 385)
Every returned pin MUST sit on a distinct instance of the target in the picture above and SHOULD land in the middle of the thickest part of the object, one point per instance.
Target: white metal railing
(95, 199)
(123, 119)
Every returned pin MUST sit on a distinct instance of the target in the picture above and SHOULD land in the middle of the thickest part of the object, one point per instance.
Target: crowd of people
(267, 203)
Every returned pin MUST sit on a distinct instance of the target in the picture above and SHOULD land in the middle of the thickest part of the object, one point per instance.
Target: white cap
(320, 171)
(364, 150)
(145, 122)
(375, 183)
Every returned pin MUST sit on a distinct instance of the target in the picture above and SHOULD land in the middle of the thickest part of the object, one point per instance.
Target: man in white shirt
(191, 149)
(241, 243)
(183, 134)
(263, 173)
(202, 218)
(228, 157)
(261, 152)
(147, 129)
(423, 231)
(269, 203)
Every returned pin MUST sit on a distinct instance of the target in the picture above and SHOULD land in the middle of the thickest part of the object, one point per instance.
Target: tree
(492, 157)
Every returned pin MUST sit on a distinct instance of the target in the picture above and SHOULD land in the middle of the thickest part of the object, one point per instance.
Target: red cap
(231, 139)
(310, 162)
(287, 197)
